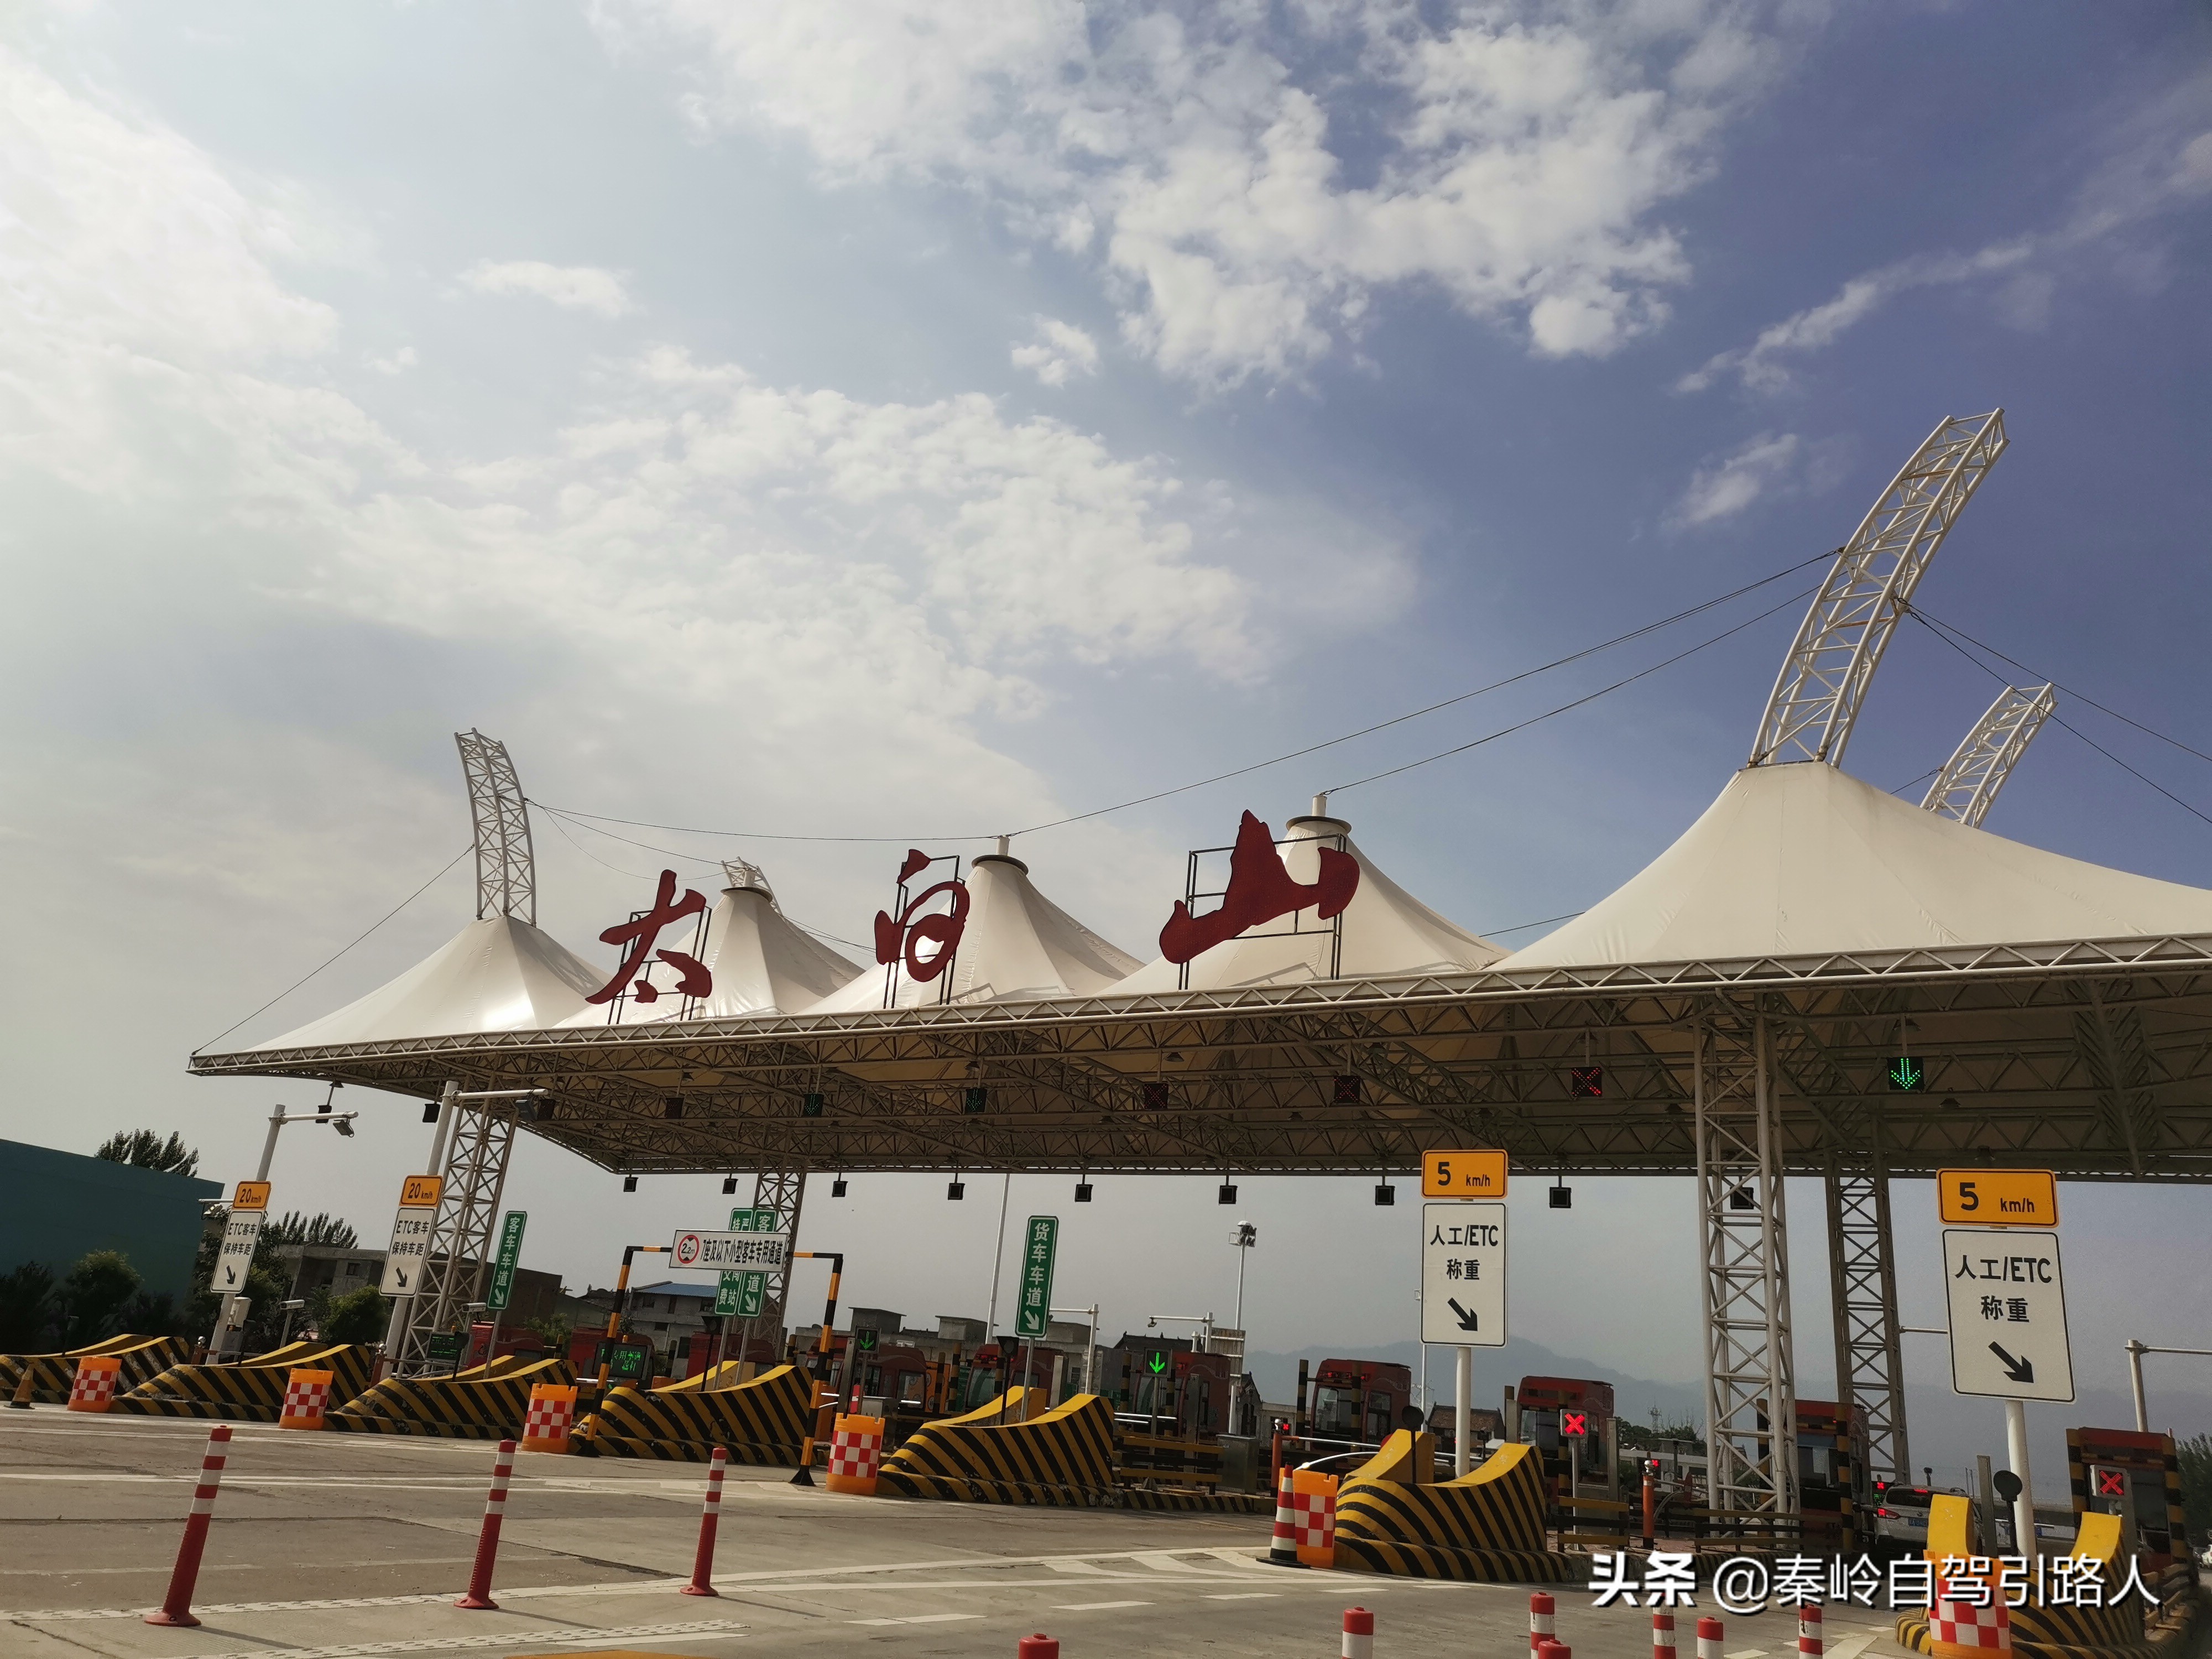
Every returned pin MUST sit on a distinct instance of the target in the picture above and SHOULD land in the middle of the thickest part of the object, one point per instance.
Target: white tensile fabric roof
(1018, 945)
(1387, 934)
(496, 974)
(1802, 860)
(763, 963)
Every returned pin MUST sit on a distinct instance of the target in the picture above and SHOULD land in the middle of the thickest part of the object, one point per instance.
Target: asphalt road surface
(333, 1546)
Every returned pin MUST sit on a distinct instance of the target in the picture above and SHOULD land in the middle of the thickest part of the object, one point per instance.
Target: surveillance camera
(344, 1127)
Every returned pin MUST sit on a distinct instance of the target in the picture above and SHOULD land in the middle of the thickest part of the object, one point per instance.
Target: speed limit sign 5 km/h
(1998, 1197)
(1463, 1173)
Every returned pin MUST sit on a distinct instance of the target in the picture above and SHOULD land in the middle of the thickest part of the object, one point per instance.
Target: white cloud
(1724, 488)
(575, 287)
(1059, 350)
(397, 362)
(2160, 161)
(1512, 155)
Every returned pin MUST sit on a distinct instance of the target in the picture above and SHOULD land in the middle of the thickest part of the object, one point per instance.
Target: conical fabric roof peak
(1387, 933)
(1804, 860)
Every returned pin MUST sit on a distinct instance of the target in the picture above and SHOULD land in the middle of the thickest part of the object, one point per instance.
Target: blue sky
(898, 419)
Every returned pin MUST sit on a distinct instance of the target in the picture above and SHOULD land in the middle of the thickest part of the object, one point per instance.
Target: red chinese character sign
(903, 939)
(1260, 891)
(640, 933)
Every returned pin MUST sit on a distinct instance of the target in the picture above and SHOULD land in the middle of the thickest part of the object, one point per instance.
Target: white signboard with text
(241, 1233)
(698, 1252)
(1463, 1274)
(2007, 1314)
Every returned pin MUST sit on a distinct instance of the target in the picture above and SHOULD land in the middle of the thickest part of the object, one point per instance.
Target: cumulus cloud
(1058, 351)
(1510, 156)
(575, 287)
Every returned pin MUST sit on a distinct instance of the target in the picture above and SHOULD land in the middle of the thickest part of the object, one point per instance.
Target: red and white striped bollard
(479, 1594)
(702, 1565)
(1358, 1634)
(1283, 1547)
(1554, 1650)
(1662, 1636)
(1540, 1609)
(1808, 1631)
(177, 1606)
(1039, 1646)
(1709, 1639)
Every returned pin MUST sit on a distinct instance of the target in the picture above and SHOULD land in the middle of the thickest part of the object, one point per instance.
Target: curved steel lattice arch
(1824, 678)
(1970, 780)
(507, 871)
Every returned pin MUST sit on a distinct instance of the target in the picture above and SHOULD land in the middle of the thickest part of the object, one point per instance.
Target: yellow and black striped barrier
(1062, 1457)
(759, 1422)
(1486, 1526)
(51, 1374)
(484, 1403)
(250, 1391)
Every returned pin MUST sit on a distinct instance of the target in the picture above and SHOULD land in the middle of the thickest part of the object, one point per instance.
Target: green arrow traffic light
(1907, 1075)
(1155, 1363)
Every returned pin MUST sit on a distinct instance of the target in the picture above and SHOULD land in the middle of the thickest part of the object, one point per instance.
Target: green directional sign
(865, 1341)
(741, 1295)
(510, 1252)
(1033, 1314)
(1156, 1362)
(1907, 1075)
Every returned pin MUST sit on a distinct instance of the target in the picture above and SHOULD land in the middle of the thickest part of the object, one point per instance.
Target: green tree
(554, 1331)
(2195, 1456)
(323, 1229)
(144, 1149)
(357, 1316)
(94, 1297)
(27, 1309)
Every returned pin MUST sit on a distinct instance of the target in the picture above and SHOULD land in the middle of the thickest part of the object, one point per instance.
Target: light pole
(1244, 1238)
(2137, 1349)
(231, 1315)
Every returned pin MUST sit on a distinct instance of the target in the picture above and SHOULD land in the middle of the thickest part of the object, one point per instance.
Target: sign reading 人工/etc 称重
(2007, 1315)
(1463, 1274)
(1039, 1240)
(510, 1252)
(241, 1235)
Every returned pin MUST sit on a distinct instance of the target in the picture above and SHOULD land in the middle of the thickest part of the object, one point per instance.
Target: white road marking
(1163, 1561)
(1746, 1653)
(1082, 1569)
(919, 1619)
(693, 1631)
(1096, 1607)
(1852, 1646)
(1246, 1596)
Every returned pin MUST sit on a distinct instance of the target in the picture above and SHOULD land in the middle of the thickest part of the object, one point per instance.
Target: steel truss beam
(1824, 679)
(783, 1191)
(460, 1247)
(1967, 786)
(1862, 1290)
(1751, 1396)
(507, 869)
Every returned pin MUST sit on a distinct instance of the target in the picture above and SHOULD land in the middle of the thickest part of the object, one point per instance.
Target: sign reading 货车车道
(1033, 1312)
(733, 1252)
(510, 1252)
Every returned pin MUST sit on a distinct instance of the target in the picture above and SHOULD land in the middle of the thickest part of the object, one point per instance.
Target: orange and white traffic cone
(176, 1606)
(702, 1565)
(479, 1595)
(1283, 1547)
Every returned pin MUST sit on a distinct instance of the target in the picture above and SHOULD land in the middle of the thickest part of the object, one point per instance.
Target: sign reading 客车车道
(693, 1251)
(510, 1254)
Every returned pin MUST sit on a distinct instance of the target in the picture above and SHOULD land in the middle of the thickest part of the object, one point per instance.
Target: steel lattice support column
(782, 1191)
(460, 1245)
(1862, 1288)
(1751, 1394)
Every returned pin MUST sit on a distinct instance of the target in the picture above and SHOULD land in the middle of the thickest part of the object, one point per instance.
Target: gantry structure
(2091, 1056)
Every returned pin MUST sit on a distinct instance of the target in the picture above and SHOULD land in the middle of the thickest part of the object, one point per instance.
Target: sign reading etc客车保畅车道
(1477, 1172)
(729, 1252)
(1039, 1240)
(1998, 1197)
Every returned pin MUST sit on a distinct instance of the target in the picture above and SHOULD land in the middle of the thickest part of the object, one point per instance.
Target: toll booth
(1569, 1420)
(1834, 1490)
(1172, 1390)
(1359, 1401)
(2135, 1476)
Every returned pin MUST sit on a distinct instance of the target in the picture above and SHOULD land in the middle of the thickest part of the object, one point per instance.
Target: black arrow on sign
(1467, 1321)
(2018, 1371)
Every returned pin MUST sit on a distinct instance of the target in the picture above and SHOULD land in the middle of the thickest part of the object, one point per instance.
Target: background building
(56, 1206)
